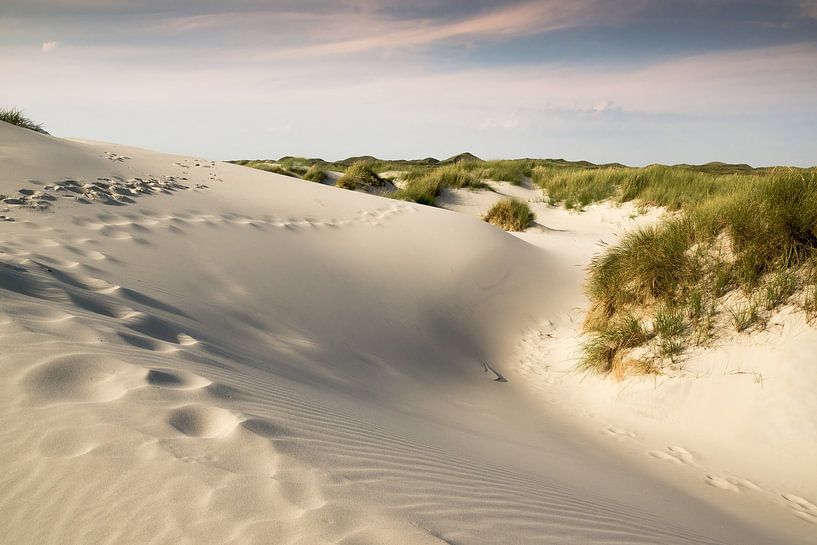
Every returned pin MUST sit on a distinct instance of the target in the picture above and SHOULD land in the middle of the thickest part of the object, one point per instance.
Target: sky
(633, 81)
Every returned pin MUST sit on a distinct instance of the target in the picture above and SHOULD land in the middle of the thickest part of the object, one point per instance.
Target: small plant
(670, 348)
(669, 323)
(702, 332)
(744, 316)
(810, 302)
(511, 215)
(603, 349)
(695, 305)
(779, 289)
(15, 116)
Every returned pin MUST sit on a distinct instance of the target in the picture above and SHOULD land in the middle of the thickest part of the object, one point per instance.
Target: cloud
(340, 32)
(49, 46)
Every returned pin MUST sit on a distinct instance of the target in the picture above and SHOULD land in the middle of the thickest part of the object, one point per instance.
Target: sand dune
(197, 352)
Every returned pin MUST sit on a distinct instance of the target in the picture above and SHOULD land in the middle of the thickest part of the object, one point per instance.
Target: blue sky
(635, 81)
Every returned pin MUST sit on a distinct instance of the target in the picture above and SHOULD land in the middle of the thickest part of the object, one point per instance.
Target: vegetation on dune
(739, 242)
(659, 185)
(425, 185)
(511, 215)
(726, 262)
(315, 174)
(16, 116)
(360, 174)
(275, 168)
(513, 171)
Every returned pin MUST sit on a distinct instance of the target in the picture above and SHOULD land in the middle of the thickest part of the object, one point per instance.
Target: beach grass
(734, 256)
(423, 186)
(510, 214)
(17, 117)
(359, 175)
(315, 174)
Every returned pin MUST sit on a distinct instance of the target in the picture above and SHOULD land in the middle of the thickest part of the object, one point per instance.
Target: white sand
(214, 354)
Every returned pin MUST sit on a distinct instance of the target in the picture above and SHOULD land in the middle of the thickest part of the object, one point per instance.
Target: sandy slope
(737, 416)
(196, 352)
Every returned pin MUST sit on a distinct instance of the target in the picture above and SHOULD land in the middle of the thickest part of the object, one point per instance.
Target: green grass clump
(360, 174)
(423, 186)
(760, 241)
(514, 172)
(669, 322)
(744, 316)
(315, 174)
(16, 116)
(578, 188)
(511, 215)
(602, 352)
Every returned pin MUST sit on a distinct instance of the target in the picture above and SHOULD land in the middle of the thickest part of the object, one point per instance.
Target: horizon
(625, 81)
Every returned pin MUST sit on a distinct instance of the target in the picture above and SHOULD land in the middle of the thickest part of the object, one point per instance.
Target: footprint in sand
(80, 378)
(801, 507)
(620, 434)
(675, 455)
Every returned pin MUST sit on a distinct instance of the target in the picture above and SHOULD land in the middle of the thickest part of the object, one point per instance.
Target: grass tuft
(602, 352)
(360, 174)
(424, 186)
(744, 316)
(315, 174)
(511, 215)
(15, 116)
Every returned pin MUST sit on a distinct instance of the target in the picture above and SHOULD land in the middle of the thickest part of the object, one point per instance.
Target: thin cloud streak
(339, 33)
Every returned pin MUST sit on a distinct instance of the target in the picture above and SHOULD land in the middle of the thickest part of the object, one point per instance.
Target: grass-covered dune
(737, 244)
(740, 248)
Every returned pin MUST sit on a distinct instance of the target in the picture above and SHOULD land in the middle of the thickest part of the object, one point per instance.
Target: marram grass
(511, 215)
(732, 258)
(16, 116)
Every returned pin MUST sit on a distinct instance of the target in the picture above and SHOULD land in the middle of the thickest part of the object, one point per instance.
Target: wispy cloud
(354, 31)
